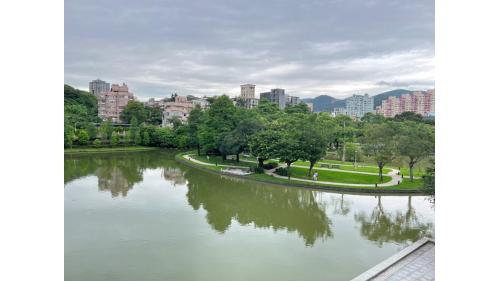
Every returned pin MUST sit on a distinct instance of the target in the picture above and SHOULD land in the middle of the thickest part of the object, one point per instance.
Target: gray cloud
(211, 47)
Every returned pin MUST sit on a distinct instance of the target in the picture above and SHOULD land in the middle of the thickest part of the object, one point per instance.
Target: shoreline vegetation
(108, 149)
(344, 151)
(406, 187)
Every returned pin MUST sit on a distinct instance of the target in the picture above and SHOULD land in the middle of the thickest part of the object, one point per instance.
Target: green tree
(133, 109)
(429, 180)
(195, 120)
(77, 97)
(409, 116)
(380, 142)
(134, 127)
(115, 139)
(137, 139)
(262, 145)
(415, 141)
(220, 120)
(91, 130)
(312, 141)
(106, 130)
(298, 108)
(154, 115)
(83, 137)
(146, 139)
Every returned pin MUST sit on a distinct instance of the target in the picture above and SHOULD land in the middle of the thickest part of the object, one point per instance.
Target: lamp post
(355, 152)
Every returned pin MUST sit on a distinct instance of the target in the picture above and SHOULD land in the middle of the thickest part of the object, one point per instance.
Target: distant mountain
(327, 103)
(377, 100)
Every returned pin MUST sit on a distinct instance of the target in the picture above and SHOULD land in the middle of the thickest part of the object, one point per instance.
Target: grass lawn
(347, 166)
(338, 176)
(109, 149)
(407, 184)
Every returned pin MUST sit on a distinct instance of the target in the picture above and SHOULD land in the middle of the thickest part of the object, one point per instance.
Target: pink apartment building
(422, 103)
(180, 108)
(111, 104)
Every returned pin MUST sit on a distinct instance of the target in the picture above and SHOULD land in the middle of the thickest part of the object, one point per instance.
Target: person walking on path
(315, 176)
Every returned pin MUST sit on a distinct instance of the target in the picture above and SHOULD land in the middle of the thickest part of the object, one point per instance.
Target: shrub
(257, 170)
(83, 137)
(97, 142)
(115, 139)
(282, 172)
(270, 165)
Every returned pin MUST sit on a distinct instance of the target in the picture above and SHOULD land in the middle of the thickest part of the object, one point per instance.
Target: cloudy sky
(203, 47)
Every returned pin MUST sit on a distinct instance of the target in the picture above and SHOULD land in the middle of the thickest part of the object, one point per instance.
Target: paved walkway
(393, 174)
(415, 262)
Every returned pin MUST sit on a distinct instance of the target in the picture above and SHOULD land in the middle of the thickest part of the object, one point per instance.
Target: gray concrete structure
(276, 96)
(98, 86)
(415, 262)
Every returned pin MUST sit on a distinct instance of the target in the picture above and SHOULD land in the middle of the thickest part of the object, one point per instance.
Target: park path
(393, 174)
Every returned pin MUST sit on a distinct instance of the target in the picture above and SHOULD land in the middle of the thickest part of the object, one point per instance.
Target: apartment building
(180, 108)
(111, 103)
(358, 105)
(420, 102)
(276, 96)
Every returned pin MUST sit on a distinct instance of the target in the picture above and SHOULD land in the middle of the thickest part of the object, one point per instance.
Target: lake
(143, 216)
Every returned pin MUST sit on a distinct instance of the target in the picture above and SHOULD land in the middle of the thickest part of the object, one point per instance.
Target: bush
(282, 172)
(97, 142)
(115, 139)
(270, 165)
(257, 170)
(83, 137)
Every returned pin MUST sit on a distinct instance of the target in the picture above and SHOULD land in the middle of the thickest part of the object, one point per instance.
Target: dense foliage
(265, 132)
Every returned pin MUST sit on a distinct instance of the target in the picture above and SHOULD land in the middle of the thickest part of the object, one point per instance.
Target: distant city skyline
(309, 48)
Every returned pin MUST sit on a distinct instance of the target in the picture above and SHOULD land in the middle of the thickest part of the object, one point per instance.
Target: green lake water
(142, 216)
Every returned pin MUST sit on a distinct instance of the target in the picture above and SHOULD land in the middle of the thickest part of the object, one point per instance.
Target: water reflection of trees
(381, 226)
(290, 209)
(119, 172)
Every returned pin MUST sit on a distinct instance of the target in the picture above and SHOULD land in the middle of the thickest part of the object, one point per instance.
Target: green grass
(346, 166)
(341, 177)
(406, 185)
(108, 149)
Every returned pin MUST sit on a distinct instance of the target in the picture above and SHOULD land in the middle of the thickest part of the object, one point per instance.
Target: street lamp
(355, 152)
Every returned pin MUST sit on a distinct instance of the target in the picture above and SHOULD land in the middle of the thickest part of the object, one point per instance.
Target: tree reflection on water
(399, 227)
(264, 206)
(119, 172)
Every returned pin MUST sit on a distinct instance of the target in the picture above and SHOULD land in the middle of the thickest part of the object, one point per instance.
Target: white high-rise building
(358, 105)
(248, 96)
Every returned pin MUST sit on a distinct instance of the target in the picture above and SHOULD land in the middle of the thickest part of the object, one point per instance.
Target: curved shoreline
(179, 158)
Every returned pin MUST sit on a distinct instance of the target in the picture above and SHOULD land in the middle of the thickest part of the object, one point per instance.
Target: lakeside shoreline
(290, 183)
(108, 149)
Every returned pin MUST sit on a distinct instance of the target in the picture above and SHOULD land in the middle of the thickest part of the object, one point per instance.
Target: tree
(146, 139)
(195, 119)
(106, 130)
(83, 137)
(137, 139)
(298, 108)
(134, 128)
(115, 139)
(133, 109)
(69, 132)
(220, 120)
(429, 180)
(75, 97)
(154, 115)
(312, 141)
(380, 142)
(409, 116)
(290, 145)
(262, 145)
(415, 141)
(91, 130)
(237, 141)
